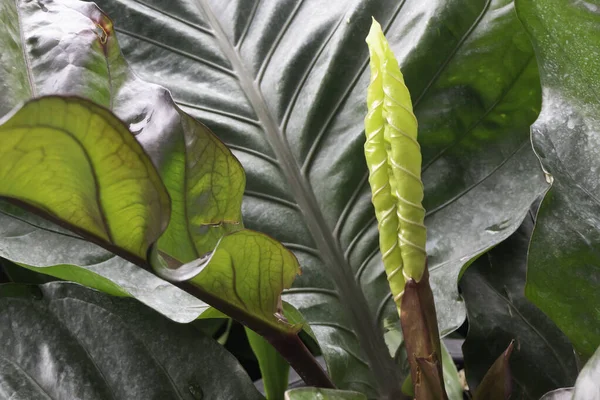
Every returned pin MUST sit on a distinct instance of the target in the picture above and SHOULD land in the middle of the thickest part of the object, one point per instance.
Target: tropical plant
(114, 182)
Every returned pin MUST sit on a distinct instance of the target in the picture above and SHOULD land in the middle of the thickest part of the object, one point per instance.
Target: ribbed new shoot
(394, 159)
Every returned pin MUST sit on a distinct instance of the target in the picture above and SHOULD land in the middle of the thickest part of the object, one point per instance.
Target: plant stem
(422, 339)
(288, 344)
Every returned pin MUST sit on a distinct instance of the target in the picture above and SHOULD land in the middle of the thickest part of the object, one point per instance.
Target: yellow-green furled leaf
(78, 164)
(394, 159)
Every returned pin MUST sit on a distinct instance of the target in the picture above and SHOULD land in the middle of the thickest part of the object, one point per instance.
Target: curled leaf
(394, 159)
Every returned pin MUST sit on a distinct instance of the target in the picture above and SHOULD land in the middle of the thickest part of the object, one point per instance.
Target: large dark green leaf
(284, 83)
(563, 273)
(63, 341)
(493, 289)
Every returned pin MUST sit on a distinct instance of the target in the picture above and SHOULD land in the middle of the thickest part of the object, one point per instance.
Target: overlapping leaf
(493, 289)
(78, 164)
(563, 270)
(284, 83)
(205, 182)
(586, 387)
(63, 341)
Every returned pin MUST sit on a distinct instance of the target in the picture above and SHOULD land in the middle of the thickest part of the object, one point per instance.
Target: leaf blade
(563, 137)
(80, 189)
(103, 347)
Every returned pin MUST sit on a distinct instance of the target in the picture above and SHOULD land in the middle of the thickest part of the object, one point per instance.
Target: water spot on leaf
(499, 227)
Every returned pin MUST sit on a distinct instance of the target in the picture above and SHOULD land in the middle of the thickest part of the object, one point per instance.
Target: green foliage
(80, 165)
(63, 341)
(273, 368)
(563, 266)
(394, 160)
(284, 87)
(323, 394)
(493, 288)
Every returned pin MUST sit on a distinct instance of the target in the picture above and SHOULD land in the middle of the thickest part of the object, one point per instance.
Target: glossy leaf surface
(559, 394)
(284, 85)
(587, 386)
(63, 341)
(80, 165)
(564, 266)
(451, 378)
(493, 289)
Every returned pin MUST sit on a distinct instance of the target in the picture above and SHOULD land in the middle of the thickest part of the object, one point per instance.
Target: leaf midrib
(369, 336)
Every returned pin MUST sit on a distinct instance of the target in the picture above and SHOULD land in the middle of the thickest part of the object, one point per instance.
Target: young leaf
(323, 394)
(273, 368)
(34, 243)
(80, 166)
(451, 378)
(394, 160)
(496, 384)
(563, 268)
(246, 272)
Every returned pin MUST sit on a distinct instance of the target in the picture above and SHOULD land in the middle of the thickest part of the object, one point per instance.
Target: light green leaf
(393, 157)
(273, 368)
(79, 165)
(563, 270)
(247, 272)
(204, 180)
(39, 245)
(451, 379)
(323, 394)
